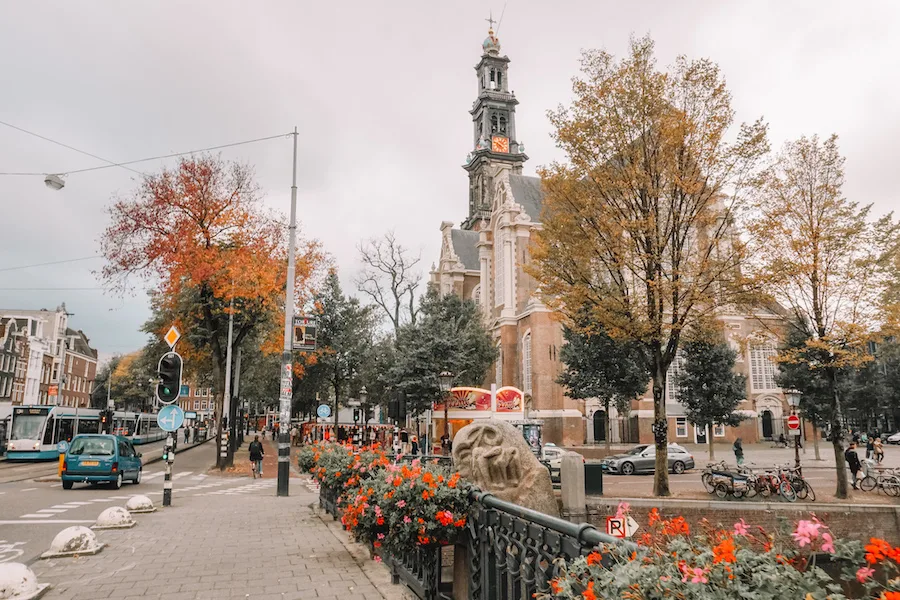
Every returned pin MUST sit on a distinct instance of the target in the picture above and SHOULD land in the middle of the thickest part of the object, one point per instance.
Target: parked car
(95, 458)
(642, 459)
(894, 439)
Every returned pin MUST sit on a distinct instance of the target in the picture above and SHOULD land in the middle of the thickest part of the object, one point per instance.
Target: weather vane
(491, 20)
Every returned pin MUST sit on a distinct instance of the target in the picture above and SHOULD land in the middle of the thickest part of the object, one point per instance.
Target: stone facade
(485, 259)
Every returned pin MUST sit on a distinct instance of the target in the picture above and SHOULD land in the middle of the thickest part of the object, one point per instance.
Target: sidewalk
(248, 545)
(241, 466)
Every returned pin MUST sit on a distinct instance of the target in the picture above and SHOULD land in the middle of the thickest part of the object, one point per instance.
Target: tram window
(66, 428)
(145, 427)
(88, 426)
(48, 432)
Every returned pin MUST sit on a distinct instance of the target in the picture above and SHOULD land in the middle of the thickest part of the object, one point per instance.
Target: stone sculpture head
(494, 456)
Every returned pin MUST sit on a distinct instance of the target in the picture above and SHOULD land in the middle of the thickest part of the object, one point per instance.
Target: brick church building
(484, 259)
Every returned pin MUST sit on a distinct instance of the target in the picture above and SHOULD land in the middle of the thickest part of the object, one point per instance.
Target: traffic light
(106, 421)
(169, 371)
(397, 406)
(356, 415)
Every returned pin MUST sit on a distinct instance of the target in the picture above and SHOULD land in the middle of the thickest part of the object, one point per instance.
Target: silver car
(642, 459)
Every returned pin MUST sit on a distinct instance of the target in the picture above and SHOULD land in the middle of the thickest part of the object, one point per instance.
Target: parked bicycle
(886, 480)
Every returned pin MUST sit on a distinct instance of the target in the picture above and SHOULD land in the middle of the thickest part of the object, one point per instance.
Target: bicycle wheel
(891, 486)
(799, 488)
(868, 483)
(707, 480)
(787, 491)
(752, 488)
(810, 494)
(721, 490)
(765, 488)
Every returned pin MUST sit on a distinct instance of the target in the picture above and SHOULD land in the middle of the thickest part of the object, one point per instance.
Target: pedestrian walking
(295, 436)
(853, 461)
(870, 447)
(738, 451)
(257, 453)
(187, 435)
(415, 446)
(878, 448)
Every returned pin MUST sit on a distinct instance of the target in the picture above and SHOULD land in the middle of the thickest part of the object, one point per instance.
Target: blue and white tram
(36, 430)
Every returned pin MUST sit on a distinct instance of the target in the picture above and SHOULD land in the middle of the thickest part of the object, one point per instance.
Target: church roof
(464, 245)
(527, 192)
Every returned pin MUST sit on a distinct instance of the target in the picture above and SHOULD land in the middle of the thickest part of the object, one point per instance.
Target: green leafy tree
(344, 336)
(599, 366)
(449, 335)
(709, 388)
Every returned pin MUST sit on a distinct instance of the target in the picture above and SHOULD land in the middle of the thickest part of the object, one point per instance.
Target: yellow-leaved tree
(823, 259)
(637, 222)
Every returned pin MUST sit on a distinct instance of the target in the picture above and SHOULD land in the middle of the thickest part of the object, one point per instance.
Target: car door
(134, 463)
(646, 460)
(125, 459)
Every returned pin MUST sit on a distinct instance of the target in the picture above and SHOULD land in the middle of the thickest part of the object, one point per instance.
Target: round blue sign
(62, 447)
(170, 418)
(324, 411)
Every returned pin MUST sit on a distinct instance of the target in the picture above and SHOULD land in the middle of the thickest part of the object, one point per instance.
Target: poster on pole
(304, 334)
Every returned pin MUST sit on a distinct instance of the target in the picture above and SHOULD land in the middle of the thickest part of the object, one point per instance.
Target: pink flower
(828, 546)
(377, 558)
(806, 532)
(407, 520)
(740, 528)
(863, 574)
(695, 575)
(401, 504)
(380, 536)
(377, 511)
(623, 509)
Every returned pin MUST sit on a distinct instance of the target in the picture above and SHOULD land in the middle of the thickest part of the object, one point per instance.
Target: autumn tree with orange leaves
(637, 222)
(828, 262)
(200, 236)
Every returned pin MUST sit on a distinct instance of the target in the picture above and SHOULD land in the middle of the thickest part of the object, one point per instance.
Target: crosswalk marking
(120, 497)
(66, 506)
(53, 511)
(101, 500)
(147, 476)
(78, 503)
(36, 516)
(182, 474)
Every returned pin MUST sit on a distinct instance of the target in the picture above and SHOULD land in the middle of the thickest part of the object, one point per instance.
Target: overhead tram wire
(55, 262)
(140, 160)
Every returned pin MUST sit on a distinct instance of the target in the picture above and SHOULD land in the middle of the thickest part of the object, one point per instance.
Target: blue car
(95, 458)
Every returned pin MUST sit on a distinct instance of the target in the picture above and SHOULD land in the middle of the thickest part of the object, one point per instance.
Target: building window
(526, 362)
(718, 430)
(498, 368)
(196, 405)
(203, 405)
(476, 295)
(672, 375)
(681, 427)
(762, 368)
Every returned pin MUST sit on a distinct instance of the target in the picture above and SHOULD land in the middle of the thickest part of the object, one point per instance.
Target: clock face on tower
(499, 144)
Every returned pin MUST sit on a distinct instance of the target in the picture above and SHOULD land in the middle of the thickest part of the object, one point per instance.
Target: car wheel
(67, 485)
(627, 468)
(137, 479)
(118, 482)
(678, 467)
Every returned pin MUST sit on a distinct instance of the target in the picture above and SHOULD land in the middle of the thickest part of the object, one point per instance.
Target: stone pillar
(460, 572)
(574, 503)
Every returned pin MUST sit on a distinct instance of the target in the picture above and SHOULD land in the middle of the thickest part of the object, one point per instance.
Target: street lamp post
(446, 382)
(793, 399)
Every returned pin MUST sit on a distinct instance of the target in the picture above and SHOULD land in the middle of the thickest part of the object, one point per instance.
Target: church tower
(494, 132)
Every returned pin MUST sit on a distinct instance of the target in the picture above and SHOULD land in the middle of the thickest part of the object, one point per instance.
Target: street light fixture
(445, 379)
(793, 400)
(54, 182)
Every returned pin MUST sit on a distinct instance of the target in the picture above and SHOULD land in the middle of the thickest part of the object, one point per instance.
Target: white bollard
(140, 504)
(114, 517)
(71, 541)
(18, 582)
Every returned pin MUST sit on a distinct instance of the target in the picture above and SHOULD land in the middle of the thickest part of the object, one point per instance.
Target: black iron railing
(508, 552)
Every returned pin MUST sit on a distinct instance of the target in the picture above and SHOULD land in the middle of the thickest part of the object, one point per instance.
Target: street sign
(170, 418)
(793, 423)
(354, 403)
(62, 447)
(172, 336)
(190, 415)
(621, 527)
(185, 390)
(304, 334)
(324, 411)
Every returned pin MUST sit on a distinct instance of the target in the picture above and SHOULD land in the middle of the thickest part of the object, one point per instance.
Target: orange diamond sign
(172, 336)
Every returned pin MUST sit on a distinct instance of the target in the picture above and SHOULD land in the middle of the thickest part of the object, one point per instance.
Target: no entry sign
(793, 423)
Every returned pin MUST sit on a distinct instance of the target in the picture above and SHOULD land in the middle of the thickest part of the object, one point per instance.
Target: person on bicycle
(257, 453)
(852, 460)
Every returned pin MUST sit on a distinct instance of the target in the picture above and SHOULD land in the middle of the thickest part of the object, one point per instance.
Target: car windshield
(636, 450)
(27, 427)
(93, 446)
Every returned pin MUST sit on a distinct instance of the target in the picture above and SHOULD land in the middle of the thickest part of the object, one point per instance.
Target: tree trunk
(709, 439)
(816, 440)
(608, 428)
(837, 436)
(661, 433)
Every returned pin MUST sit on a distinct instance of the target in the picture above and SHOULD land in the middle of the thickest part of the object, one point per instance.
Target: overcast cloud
(380, 92)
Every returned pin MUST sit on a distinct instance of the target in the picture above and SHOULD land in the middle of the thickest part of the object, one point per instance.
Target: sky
(380, 92)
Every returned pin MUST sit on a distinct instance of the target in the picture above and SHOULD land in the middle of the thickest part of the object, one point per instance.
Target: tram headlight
(36, 445)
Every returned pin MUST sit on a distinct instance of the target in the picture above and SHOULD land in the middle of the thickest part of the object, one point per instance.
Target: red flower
(724, 552)
(594, 558)
(589, 592)
(654, 517)
(444, 517)
(461, 522)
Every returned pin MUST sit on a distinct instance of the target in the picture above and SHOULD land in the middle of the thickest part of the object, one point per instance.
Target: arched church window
(494, 124)
(502, 125)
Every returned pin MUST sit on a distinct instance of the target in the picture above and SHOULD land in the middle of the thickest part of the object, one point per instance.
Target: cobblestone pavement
(245, 543)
